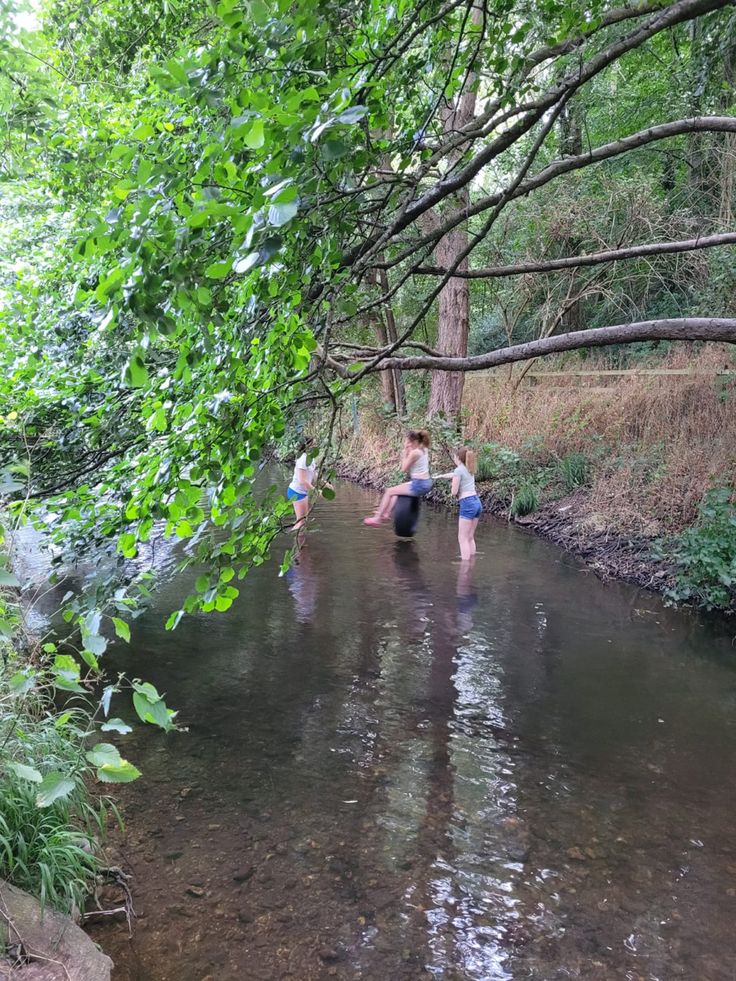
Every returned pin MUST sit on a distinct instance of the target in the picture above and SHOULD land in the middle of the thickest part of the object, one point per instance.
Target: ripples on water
(505, 772)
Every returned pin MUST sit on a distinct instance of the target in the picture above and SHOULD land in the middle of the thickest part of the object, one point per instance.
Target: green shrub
(496, 462)
(525, 499)
(706, 554)
(573, 470)
(50, 851)
(49, 830)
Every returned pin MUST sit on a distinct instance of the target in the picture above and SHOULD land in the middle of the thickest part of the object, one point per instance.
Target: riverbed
(398, 766)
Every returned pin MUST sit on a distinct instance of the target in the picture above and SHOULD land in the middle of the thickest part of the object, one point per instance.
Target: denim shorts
(293, 495)
(470, 507)
(420, 486)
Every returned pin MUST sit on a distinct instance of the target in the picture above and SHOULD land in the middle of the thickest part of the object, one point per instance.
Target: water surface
(399, 767)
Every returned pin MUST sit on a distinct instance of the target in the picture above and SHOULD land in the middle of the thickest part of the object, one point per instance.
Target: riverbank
(615, 469)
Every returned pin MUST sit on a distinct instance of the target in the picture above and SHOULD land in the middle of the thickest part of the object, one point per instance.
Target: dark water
(398, 767)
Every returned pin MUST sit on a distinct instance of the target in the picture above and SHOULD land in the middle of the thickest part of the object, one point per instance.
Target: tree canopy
(210, 208)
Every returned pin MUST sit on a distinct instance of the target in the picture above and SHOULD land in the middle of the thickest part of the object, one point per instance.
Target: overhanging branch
(593, 259)
(676, 329)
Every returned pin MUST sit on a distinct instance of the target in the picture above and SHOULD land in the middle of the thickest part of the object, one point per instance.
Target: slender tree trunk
(397, 380)
(387, 377)
(446, 395)
(454, 326)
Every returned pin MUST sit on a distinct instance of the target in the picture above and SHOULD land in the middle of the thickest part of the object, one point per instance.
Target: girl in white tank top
(414, 463)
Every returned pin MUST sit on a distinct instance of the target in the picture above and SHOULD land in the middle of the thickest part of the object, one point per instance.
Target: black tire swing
(406, 515)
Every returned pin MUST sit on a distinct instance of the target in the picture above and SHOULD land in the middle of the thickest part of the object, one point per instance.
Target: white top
(467, 481)
(420, 467)
(301, 464)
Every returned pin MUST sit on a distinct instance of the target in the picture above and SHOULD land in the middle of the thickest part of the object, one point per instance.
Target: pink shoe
(373, 521)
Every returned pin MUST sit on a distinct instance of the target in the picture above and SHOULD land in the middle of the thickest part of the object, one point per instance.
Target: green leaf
(173, 622)
(54, 786)
(22, 682)
(136, 373)
(328, 494)
(333, 149)
(218, 270)
(94, 642)
(279, 214)
(25, 772)
(89, 658)
(116, 725)
(8, 579)
(122, 772)
(121, 629)
(154, 712)
(254, 137)
(102, 754)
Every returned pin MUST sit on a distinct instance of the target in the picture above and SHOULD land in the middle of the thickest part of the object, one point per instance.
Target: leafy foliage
(706, 554)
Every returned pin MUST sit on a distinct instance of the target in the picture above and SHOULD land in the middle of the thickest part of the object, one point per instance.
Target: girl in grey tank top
(463, 488)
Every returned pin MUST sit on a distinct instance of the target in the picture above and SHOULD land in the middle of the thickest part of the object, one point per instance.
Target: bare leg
(388, 500)
(464, 537)
(473, 526)
(301, 510)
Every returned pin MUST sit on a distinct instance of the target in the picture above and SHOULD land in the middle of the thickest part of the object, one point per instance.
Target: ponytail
(467, 457)
(420, 436)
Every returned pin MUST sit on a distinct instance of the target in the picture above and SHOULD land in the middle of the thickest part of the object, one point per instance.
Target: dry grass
(656, 443)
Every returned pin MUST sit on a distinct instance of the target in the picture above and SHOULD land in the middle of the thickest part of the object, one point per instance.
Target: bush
(495, 462)
(525, 500)
(706, 554)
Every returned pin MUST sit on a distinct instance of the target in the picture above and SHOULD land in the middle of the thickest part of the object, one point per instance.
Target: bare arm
(455, 489)
(304, 480)
(408, 458)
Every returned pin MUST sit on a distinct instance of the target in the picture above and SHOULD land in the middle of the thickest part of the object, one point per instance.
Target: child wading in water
(301, 484)
(463, 488)
(415, 463)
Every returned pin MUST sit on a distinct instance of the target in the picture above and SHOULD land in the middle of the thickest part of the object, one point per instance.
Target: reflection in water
(303, 581)
(398, 766)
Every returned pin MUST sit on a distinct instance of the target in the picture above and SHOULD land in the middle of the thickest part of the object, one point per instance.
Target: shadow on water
(403, 766)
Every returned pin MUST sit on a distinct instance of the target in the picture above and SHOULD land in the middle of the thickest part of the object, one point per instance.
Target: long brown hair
(420, 436)
(466, 456)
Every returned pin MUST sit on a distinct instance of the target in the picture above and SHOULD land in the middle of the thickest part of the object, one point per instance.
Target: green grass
(46, 851)
(573, 470)
(525, 500)
(52, 851)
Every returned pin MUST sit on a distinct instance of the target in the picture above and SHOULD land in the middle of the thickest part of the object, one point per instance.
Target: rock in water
(64, 951)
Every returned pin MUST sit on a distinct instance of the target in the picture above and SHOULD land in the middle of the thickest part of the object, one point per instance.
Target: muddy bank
(570, 522)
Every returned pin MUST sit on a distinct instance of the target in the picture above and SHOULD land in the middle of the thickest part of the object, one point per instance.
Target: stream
(401, 767)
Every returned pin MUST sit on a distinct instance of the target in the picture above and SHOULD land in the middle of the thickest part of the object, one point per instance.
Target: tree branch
(593, 259)
(676, 329)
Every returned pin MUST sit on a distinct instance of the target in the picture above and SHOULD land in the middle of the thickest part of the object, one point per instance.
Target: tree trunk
(387, 377)
(397, 381)
(454, 326)
(446, 395)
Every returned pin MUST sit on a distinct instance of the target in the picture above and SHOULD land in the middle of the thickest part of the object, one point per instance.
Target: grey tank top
(420, 467)
(467, 481)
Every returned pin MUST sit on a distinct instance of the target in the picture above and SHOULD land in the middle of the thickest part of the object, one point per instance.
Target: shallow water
(398, 767)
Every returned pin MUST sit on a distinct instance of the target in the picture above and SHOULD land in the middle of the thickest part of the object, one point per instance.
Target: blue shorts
(293, 495)
(420, 486)
(471, 508)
